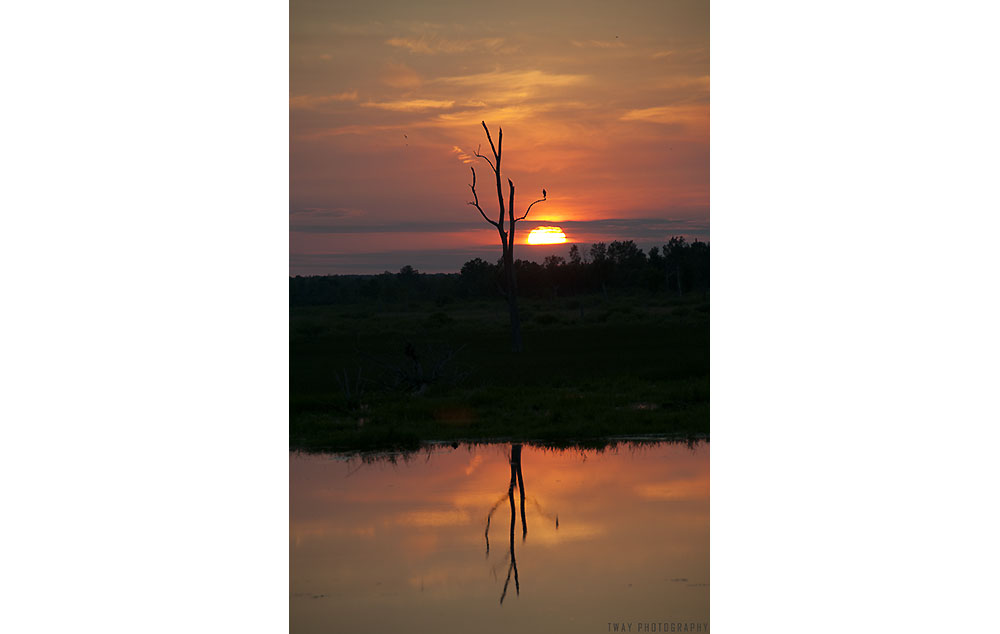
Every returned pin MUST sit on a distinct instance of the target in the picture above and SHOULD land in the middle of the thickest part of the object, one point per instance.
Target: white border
(854, 325)
(145, 259)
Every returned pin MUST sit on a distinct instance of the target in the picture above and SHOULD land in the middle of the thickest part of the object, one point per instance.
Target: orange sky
(604, 105)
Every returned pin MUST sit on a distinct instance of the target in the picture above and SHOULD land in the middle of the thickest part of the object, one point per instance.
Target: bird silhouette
(543, 193)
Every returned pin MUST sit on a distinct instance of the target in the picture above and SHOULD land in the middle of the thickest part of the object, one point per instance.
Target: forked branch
(485, 158)
(476, 202)
(540, 200)
(496, 152)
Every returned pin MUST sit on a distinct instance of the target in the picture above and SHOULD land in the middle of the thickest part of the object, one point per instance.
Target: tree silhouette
(675, 251)
(574, 255)
(516, 477)
(506, 234)
(678, 267)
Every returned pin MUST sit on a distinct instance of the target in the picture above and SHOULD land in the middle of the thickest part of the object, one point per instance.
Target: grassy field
(370, 376)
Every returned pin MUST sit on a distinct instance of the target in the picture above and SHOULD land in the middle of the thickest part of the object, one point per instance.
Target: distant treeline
(678, 267)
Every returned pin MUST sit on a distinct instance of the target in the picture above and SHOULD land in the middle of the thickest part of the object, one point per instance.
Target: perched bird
(543, 193)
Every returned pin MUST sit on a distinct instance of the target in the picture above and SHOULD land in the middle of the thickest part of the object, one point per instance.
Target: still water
(500, 538)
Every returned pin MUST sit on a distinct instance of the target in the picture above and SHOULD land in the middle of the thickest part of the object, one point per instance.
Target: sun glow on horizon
(546, 235)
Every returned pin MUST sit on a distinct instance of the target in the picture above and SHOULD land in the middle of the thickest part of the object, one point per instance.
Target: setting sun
(546, 235)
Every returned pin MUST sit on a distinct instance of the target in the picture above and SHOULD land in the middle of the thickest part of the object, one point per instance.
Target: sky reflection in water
(402, 547)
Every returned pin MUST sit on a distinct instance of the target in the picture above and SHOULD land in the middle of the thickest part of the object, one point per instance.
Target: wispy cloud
(367, 28)
(463, 156)
(502, 88)
(667, 114)
(321, 219)
(505, 115)
(411, 105)
(311, 102)
(519, 78)
(691, 87)
(325, 213)
(474, 463)
(599, 44)
(408, 227)
(431, 45)
(354, 129)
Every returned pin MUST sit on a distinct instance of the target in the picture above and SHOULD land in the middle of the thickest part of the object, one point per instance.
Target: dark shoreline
(599, 444)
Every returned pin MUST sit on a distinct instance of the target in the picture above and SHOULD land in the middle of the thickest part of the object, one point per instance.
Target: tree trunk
(515, 457)
(515, 327)
(515, 319)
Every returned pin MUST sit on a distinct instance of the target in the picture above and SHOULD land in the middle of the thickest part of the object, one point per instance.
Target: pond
(501, 538)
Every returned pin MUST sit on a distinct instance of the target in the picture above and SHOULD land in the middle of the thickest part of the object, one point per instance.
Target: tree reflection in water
(515, 477)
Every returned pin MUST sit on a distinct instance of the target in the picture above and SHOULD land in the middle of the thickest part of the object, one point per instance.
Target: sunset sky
(604, 105)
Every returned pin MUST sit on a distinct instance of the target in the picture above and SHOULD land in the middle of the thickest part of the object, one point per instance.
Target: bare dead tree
(516, 478)
(515, 470)
(506, 230)
(513, 560)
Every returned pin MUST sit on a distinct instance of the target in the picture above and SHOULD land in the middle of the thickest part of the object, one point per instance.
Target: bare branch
(490, 517)
(485, 158)
(490, 139)
(496, 169)
(492, 222)
(476, 196)
(540, 200)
